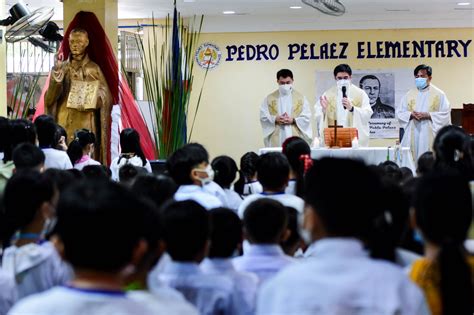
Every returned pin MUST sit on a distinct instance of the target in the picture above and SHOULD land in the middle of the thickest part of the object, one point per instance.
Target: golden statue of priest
(78, 95)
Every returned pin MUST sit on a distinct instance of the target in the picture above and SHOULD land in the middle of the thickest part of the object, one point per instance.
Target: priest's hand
(280, 120)
(347, 103)
(424, 116)
(323, 100)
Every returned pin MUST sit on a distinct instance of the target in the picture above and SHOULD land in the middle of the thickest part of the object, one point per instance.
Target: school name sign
(343, 50)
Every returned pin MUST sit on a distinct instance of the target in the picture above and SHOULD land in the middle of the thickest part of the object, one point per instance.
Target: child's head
(156, 188)
(47, 131)
(443, 211)
(248, 164)
(130, 143)
(189, 165)
(100, 224)
(128, 173)
(273, 171)
(4, 131)
(225, 170)
(343, 199)
(451, 150)
(62, 179)
(292, 242)
(265, 221)
(226, 236)
(28, 156)
(36, 208)
(297, 151)
(186, 230)
(83, 144)
(95, 172)
(19, 131)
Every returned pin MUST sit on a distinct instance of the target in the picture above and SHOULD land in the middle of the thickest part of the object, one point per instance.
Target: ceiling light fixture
(228, 12)
(295, 7)
(464, 3)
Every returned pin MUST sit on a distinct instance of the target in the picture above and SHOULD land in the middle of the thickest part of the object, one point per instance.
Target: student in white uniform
(190, 169)
(225, 170)
(226, 239)
(165, 300)
(33, 262)
(298, 153)
(81, 148)
(8, 294)
(248, 183)
(101, 253)
(131, 153)
(265, 223)
(347, 229)
(273, 171)
(186, 231)
(47, 128)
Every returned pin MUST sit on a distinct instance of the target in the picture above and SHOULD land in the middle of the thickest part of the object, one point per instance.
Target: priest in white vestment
(423, 111)
(346, 103)
(285, 113)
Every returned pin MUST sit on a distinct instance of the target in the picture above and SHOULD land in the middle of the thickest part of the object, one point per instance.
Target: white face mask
(285, 89)
(210, 175)
(304, 233)
(341, 83)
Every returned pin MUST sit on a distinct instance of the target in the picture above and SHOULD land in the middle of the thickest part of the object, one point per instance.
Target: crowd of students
(283, 234)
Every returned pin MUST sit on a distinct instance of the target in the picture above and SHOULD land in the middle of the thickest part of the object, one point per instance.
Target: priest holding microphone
(345, 103)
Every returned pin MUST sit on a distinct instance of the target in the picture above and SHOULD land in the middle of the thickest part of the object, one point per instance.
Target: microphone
(344, 94)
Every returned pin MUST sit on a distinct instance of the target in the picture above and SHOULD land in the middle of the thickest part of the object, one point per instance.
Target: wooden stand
(337, 137)
(468, 118)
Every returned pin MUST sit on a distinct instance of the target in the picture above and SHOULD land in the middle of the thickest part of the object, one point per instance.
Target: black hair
(342, 68)
(46, 128)
(295, 238)
(350, 216)
(60, 132)
(293, 149)
(82, 138)
(61, 178)
(100, 223)
(390, 172)
(451, 151)
(429, 70)
(4, 133)
(248, 168)
(20, 130)
(368, 77)
(186, 229)
(273, 171)
(128, 173)
(425, 163)
(265, 220)
(156, 188)
(225, 170)
(284, 73)
(436, 193)
(27, 156)
(18, 210)
(226, 232)
(130, 144)
(182, 161)
(98, 172)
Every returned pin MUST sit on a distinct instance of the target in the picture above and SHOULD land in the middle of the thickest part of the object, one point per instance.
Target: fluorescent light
(464, 3)
(295, 7)
(228, 12)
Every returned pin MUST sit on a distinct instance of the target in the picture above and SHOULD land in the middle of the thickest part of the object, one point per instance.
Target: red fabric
(308, 162)
(100, 51)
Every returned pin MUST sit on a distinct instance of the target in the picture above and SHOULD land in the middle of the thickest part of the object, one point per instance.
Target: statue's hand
(58, 61)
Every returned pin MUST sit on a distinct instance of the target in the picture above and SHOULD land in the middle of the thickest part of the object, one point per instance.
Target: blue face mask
(421, 83)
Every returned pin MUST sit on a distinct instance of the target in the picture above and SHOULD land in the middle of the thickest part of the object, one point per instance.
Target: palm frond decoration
(168, 63)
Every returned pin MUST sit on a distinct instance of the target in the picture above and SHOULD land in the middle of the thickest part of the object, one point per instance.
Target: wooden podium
(338, 137)
(468, 118)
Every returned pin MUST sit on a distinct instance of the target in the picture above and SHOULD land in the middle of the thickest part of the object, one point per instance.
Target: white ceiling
(275, 15)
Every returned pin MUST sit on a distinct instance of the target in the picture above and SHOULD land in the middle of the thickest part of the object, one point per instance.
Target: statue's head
(78, 41)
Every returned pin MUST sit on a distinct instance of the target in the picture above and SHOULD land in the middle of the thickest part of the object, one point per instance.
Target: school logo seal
(208, 56)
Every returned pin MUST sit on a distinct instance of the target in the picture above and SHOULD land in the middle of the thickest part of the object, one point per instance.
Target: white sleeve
(442, 117)
(303, 121)
(361, 120)
(402, 113)
(319, 119)
(148, 167)
(267, 120)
